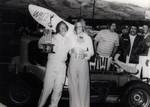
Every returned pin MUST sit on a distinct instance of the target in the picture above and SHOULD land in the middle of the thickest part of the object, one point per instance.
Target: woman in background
(78, 70)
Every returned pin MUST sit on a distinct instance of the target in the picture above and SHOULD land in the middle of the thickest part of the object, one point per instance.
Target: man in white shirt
(56, 66)
(132, 36)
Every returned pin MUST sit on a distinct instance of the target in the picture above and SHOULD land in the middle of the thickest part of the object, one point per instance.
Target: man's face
(124, 31)
(145, 28)
(133, 30)
(63, 29)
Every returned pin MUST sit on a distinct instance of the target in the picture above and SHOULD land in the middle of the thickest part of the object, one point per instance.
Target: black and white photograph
(74, 53)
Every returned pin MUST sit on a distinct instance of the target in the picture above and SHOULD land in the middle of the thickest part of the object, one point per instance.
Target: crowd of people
(126, 47)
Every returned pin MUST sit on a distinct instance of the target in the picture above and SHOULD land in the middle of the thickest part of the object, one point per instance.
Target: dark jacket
(124, 48)
(143, 48)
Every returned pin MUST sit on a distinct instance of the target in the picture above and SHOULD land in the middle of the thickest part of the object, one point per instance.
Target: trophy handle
(50, 22)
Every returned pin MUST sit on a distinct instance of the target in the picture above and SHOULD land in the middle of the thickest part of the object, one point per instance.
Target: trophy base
(48, 48)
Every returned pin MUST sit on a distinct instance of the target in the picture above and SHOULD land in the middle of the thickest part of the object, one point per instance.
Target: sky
(142, 3)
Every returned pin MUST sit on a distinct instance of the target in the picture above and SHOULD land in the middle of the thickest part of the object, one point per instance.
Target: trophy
(48, 45)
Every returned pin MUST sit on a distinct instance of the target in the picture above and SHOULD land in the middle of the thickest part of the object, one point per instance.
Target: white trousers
(78, 79)
(53, 82)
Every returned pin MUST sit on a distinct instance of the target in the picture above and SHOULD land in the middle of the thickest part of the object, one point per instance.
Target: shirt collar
(132, 35)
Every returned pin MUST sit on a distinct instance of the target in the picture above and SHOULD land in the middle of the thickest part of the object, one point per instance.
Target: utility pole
(93, 13)
(80, 10)
(80, 3)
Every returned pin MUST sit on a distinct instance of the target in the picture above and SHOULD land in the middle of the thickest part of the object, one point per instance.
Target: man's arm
(114, 51)
(95, 45)
(116, 45)
(96, 40)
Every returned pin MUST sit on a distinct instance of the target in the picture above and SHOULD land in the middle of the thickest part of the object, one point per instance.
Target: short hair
(59, 24)
(134, 26)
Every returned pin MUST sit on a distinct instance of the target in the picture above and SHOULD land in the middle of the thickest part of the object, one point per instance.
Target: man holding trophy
(56, 67)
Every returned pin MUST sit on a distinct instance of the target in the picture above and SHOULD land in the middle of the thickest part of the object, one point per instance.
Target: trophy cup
(48, 45)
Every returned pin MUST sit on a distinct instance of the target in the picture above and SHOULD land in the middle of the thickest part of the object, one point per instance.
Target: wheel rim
(19, 94)
(139, 98)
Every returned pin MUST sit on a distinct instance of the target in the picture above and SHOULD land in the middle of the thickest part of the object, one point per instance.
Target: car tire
(19, 92)
(136, 94)
(22, 92)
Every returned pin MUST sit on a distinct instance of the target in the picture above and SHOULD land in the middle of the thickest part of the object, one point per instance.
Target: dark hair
(133, 26)
(146, 25)
(58, 26)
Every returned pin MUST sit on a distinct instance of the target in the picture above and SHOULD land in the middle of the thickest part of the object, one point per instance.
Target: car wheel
(19, 92)
(24, 90)
(136, 95)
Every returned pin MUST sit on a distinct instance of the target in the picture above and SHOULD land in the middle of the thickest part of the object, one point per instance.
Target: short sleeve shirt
(106, 42)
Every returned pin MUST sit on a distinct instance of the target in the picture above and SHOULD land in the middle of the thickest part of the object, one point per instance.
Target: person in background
(106, 44)
(146, 40)
(107, 41)
(56, 66)
(140, 31)
(124, 31)
(78, 70)
(147, 50)
(127, 51)
(146, 30)
(143, 46)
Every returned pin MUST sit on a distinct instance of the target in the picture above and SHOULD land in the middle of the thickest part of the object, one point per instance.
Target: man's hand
(47, 31)
(116, 58)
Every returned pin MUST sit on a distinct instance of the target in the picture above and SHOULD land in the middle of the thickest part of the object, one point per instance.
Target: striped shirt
(106, 42)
